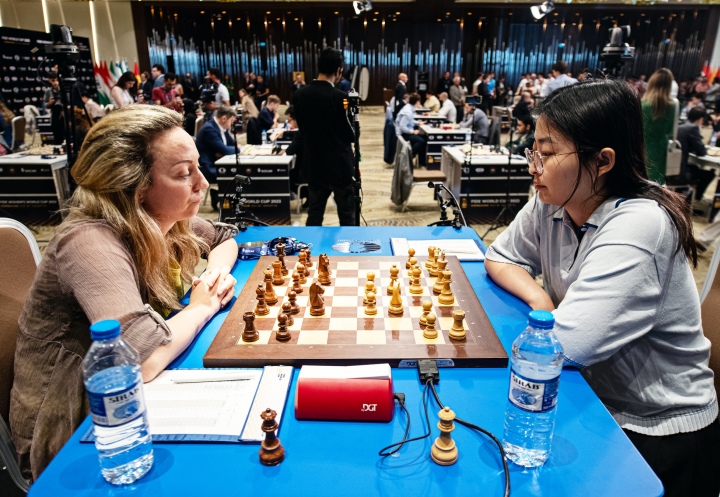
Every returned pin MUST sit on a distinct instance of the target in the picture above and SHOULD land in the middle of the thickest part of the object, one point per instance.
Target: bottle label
(117, 408)
(533, 395)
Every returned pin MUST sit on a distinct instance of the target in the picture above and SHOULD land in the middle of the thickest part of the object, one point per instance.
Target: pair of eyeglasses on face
(538, 160)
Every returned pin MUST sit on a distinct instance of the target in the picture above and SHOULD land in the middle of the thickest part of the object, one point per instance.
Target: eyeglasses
(537, 159)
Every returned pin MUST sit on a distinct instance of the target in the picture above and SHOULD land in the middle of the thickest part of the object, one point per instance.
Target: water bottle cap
(543, 320)
(105, 330)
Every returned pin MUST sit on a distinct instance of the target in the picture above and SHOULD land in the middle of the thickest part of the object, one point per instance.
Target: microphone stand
(241, 217)
(458, 220)
(507, 213)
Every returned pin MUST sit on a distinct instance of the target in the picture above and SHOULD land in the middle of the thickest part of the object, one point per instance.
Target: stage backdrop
(23, 52)
(425, 35)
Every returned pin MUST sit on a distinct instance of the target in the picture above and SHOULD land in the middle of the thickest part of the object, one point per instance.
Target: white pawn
(370, 308)
(430, 332)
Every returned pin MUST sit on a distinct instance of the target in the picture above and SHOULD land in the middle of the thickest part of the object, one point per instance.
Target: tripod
(240, 218)
(353, 112)
(507, 213)
(458, 220)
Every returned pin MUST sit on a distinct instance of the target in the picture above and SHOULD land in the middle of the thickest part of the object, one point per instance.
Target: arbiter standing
(327, 137)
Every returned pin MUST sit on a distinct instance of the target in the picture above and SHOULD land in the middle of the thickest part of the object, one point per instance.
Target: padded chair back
(494, 130)
(20, 259)
(18, 132)
(254, 133)
(710, 298)
(199, 121)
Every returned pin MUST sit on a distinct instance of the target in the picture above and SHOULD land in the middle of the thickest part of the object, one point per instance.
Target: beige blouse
(87, 274)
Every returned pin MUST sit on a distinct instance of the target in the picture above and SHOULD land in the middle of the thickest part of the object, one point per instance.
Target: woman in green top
(658, 111)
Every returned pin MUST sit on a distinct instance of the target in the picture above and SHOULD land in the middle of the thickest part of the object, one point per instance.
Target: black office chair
(254, 133)
(494, 130)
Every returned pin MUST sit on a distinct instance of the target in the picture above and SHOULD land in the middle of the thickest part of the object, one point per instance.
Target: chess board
(345, 334)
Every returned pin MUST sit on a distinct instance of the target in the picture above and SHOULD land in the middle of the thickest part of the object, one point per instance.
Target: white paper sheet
(465, 249)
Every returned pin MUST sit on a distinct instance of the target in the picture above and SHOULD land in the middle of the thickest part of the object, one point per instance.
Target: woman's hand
(214, 288)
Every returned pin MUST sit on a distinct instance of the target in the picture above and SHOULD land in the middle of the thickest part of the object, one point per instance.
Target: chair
(254, 133)
(494, 130)
(21, 257)
(199, 121)
(405, 177)
(18, 133)
(710, 310)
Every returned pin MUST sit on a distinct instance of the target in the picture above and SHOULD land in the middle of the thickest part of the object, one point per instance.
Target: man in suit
(691, 142)
(443, 84)
(213, 142)
(400, 91)
(327, 137)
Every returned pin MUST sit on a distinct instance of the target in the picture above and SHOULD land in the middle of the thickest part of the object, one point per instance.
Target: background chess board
(345, 334)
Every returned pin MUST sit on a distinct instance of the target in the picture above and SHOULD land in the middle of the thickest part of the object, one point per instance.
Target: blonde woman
(126, 249)
(658, 110)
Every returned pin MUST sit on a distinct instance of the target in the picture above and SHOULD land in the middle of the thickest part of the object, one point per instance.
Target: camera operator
(222, 97)
(214, 141)
(477, 121)
(327, 141)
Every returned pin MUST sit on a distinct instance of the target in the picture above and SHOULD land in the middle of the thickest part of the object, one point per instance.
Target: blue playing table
(590, 454)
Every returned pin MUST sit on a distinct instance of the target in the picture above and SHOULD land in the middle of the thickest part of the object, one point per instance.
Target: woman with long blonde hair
(126, 249)
(658, 110)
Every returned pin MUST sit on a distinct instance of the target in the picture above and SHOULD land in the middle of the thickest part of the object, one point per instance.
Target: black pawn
(282, 334)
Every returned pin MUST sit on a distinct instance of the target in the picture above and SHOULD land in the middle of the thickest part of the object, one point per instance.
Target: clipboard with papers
(213, 405)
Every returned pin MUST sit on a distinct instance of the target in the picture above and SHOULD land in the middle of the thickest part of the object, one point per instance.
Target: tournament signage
(22, 76)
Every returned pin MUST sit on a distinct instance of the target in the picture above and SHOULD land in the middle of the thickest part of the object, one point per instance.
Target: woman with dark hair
(658, 110)
(613, 250)
(124, 91)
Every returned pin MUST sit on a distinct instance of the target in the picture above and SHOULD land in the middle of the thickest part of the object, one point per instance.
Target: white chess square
(263, 340)
(421, 340)
(280, 290)
(347, 265)
(313, 337)
(415, 311)
(343, 324)
(302, 300)
(370, 337)
(297, 323)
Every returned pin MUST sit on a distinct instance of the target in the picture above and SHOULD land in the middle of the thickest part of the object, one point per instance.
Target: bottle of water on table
(264, 137)
(536, 363)
(111, 370)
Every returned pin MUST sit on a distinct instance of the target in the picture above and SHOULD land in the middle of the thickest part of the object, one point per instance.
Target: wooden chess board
(345, 334)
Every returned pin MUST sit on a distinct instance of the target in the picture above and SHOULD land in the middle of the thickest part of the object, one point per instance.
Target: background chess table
(345, 334)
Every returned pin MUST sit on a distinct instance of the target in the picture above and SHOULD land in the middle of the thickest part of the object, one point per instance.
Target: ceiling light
(539, 11)
(362, 6)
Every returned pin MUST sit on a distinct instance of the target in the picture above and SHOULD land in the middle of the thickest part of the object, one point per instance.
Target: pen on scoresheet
(239, 376)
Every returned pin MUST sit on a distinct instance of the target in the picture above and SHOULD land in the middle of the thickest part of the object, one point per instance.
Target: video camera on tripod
(208, 92)
(616, 53)
(458, 220)
(240, 217)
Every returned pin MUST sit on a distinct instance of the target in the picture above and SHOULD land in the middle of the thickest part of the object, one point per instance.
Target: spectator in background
(298, 83)
(447, 109)
(158, 74)
(525, 137)
(146, 86)
(268, 116)
(476, 120)
(476, 84)
(214, 142)
(189, 116)
(123, 93)
(297, 174)
(431, 102)
(457, 97)
(228, 82)
(658, 118)
(250, 86)
(166, 95)
(247, 103)
(344, 84)
(52, 93)
(400, 91)
(541, 85)
(6, 117)
(222, 97)
(92, 107)
(189, 88)
(261, 91)
(405, 127)
(524, 106)
(491, 87)
(696, 100)
(691, 142)
(486, 96)
(443, 84)
(560, 79)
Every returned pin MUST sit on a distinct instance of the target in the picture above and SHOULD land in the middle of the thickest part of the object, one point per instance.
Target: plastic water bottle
(713, 139)
(264, 137)
(536, 363)
(468, 136)
(114, 386)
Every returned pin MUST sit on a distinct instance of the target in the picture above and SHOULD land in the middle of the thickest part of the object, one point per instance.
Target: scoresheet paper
(465, 249)
(206, 406)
